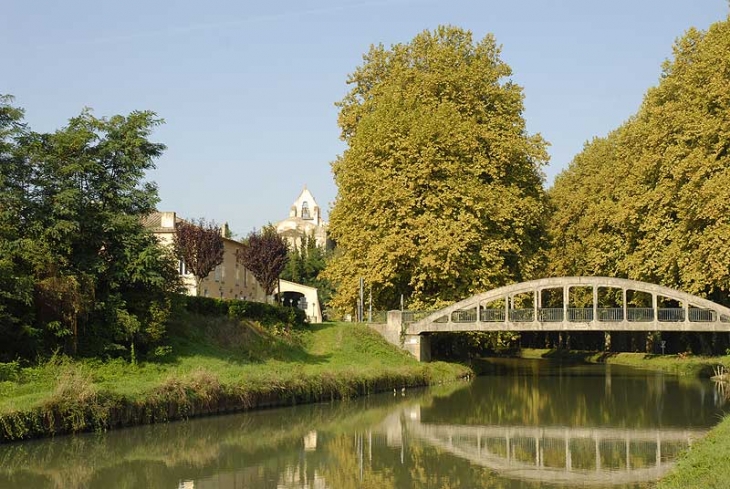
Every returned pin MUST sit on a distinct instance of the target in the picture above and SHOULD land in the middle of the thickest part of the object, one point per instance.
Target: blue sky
(247, 89)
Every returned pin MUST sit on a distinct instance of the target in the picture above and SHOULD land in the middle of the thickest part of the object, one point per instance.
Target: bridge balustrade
(610, 314)
(492, 315)
(670, 314)
(702, 315)
(468, 316)
(580, 314)
(551, 315)
(408, 317)
(640, 314)
(522, 315)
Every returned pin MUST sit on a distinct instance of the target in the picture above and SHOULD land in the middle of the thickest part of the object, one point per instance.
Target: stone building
(229, 280)
(305, 219)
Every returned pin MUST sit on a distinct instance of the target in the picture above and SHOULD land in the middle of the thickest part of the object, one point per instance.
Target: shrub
(266, 314)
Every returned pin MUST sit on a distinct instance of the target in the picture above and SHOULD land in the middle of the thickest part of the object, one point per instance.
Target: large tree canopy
(652, 200)
(440, 190)
(78, 269)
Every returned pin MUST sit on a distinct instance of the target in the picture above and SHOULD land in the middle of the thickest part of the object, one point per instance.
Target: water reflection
(528, 425)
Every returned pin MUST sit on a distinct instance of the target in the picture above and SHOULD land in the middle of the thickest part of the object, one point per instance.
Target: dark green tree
(305, 265)
(100, 281)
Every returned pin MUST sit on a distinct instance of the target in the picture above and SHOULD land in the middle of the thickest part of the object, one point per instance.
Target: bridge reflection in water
(555, 454)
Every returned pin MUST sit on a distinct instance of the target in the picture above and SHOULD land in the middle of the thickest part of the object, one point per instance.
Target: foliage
(440, 190)
(79, 271)
(305, 264)
(266, 314)
(264, 253)
(650, 201)
(471, 344)
(199, 244)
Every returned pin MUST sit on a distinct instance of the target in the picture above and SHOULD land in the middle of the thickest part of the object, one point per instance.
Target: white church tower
(305, 218)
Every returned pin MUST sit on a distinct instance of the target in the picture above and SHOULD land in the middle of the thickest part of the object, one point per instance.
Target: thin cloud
(202, 27)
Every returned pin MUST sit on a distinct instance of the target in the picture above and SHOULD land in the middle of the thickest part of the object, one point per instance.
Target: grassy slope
(222, 352)
(707, 464)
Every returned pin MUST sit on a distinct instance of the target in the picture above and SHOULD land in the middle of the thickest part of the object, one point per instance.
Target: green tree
(98, 280)
(305, 265)
(651, 200)
(16, 280)
(440, 189)
(264, 253)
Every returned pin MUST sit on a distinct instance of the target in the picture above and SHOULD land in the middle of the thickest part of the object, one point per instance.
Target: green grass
(706, 465)
(690, 365)
(214, 362)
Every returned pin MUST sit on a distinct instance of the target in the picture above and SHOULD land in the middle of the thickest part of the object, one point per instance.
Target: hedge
(266, 314)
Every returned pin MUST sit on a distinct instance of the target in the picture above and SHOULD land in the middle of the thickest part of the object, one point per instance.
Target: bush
(205, 306)
(9, 371)
(266, 314)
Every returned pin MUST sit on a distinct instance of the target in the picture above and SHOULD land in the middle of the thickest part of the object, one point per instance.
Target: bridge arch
(663, 309)
(691, 313)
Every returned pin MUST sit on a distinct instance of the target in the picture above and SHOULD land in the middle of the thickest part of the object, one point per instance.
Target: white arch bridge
(561, 304)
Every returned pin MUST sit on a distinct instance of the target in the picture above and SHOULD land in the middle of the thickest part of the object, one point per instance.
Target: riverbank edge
(707, 463)
(203, 396)
(686, 365)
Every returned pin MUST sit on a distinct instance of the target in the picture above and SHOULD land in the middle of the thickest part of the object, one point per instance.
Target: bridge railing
(572, 314)
(522, 315)
(670, 314)
(550, 315)
(467, 316)
(408, 317)
(640, 314)
(610, 314)
(492, 315)
(580, 314)
(702, 315)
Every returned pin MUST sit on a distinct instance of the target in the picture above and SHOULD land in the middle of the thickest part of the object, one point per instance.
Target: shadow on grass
(238, 342)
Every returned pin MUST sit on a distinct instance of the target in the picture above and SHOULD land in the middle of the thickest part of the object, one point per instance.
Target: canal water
(526, 424)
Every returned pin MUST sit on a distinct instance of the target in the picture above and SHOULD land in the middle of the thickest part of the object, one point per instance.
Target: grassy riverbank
(695, 366)
(707, 464)
(216, 365)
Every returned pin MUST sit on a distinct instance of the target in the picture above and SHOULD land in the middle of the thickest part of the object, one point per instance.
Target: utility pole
(370, 305)
(361, 309)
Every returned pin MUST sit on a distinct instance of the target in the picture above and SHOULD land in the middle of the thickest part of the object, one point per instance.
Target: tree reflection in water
(527, 425)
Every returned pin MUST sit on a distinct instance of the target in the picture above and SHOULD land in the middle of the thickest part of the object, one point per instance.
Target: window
(182, 268)
(218, 273)
(305, 210)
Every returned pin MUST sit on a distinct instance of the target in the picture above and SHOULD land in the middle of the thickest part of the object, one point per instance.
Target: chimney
(167, 220)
